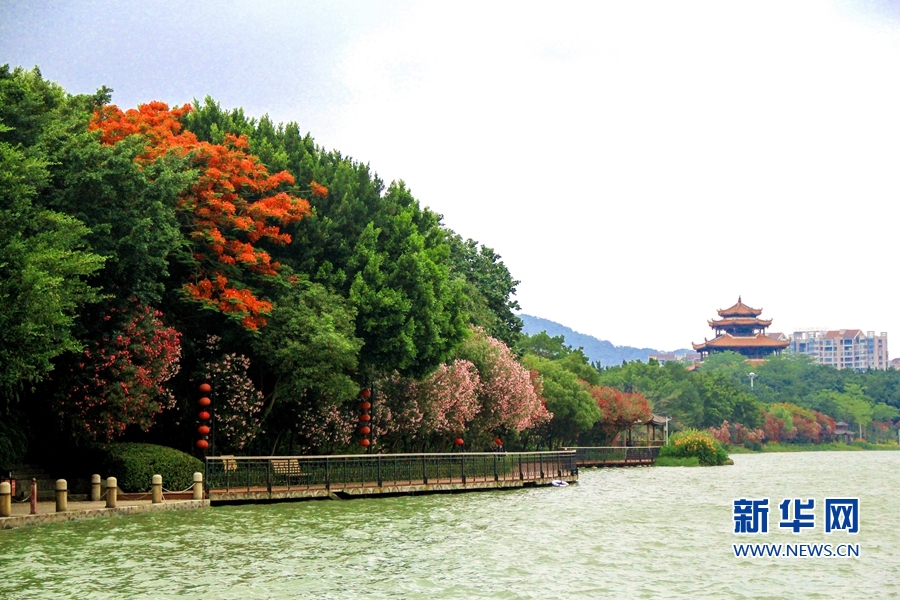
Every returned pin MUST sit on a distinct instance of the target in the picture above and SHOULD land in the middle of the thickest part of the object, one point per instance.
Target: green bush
(690, 442)
(134, 465)
(755, 446)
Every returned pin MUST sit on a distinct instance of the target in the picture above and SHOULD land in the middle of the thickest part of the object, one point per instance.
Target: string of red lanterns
(364, 417)
(204, 415)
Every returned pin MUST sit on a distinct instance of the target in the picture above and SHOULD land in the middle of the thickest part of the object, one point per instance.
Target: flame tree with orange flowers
(233, 206)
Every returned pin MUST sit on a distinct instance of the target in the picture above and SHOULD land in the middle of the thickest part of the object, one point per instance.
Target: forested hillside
(597, 350)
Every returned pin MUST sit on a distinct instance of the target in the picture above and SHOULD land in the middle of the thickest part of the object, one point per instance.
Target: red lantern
(203, 430)
(459, 441)
(204, 416)
(365, 442)
(204, 401)
(365, 392)
(365, 405)
(202, 444)
(364, 430)
(365, 418)
(205, 388)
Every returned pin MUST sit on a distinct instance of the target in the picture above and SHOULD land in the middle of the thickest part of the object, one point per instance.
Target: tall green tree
(44, 267)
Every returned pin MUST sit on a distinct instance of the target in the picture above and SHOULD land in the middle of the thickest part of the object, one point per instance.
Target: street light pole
(752, 376)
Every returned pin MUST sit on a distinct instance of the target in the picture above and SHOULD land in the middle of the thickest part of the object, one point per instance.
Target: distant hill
(596, 349)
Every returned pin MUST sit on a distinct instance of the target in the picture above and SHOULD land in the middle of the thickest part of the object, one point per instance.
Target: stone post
(5, 499)
(156, 489)
(112, 487)
(62, 495)
(95, 488)
(198, 486)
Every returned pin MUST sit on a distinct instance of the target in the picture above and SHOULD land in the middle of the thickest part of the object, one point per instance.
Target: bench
(229, 463)
(287, 466)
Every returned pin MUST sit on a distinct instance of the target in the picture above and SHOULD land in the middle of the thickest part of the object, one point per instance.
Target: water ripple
(633, 533)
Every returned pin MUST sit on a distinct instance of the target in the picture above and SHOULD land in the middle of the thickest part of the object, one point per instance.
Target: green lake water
(623, 533)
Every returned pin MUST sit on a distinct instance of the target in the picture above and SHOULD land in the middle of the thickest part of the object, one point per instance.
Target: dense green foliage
(134, 465)
(143, 252)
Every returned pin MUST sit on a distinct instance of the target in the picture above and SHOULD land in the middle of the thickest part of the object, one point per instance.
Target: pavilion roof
(740, 322)
(655, 420)
(726, 340)
(739, 310)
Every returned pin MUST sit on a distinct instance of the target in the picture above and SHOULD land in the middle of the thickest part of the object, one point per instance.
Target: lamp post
(752, 376)
(667, 429)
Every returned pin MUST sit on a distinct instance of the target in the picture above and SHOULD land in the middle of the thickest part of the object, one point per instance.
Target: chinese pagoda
(741, 330)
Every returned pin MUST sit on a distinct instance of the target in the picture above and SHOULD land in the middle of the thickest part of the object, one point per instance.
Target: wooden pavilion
(655, 433)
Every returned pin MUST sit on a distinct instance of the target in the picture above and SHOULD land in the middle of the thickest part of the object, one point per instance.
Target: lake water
(626, 533)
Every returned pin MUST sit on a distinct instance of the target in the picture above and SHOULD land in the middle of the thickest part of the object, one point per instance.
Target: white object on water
(558, 483)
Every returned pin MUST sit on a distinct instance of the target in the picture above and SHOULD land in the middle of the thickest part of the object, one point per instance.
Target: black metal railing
(614, 455)
(268, 473)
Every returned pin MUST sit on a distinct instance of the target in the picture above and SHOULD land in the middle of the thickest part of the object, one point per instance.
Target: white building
(843, 348)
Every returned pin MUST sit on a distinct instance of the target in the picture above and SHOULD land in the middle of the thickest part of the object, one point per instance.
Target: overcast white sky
(636, 164)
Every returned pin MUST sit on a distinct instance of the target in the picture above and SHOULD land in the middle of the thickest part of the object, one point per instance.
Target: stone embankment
(104, 502)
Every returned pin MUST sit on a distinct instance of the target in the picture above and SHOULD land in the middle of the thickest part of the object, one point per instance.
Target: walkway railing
(614, 456)
(268, 473)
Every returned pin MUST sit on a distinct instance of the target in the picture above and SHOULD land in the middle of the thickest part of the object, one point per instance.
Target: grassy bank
(674, 461)
(830, 446)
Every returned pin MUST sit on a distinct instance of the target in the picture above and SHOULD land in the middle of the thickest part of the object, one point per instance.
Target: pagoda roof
(739, 310)
(726, 341)
(740, 322)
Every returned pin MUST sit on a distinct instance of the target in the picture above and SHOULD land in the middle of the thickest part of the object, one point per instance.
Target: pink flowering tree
(721, 433)
(237, 403)
(398, 418)
(421, 415)
(450, 397)
(119, 379)
(508, 400)
(322, 428)
(483, 394)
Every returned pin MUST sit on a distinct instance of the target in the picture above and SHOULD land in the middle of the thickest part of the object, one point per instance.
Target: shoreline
(89, 510)
(828, 447)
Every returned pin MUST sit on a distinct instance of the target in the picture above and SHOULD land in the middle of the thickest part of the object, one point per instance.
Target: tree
(44, 267)
(232, 207)
(408, 310)
(238, 403)
(119, 380)
(507, 396)
(489, 288)
(310, 351)
(568, 399)
(620, 411)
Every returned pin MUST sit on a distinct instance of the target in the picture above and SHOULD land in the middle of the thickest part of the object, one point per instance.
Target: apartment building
(843, 348)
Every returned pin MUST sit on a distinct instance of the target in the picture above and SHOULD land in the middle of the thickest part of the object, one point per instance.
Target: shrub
(134, 465)
(752, 445)
(701, 444)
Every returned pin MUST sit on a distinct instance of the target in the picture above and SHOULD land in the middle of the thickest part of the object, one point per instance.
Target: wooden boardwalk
(615, 456)
(231, 479)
